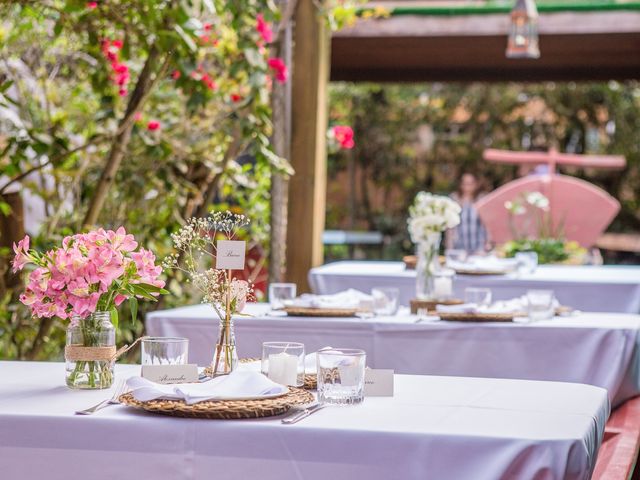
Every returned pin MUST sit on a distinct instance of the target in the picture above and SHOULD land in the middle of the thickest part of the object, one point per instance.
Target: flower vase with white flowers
(429, 216)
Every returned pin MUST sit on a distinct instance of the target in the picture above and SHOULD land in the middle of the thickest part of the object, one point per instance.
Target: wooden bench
(618, 453)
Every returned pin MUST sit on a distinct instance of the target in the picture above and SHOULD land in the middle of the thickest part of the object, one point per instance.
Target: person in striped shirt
(470, 235)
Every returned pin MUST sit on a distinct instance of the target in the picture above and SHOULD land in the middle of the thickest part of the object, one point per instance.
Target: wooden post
(307, 188)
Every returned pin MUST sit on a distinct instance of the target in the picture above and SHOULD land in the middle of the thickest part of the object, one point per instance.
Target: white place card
(378, 383)
(230, 254)
(167, 374)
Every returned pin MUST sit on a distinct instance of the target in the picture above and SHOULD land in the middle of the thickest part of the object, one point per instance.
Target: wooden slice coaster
(224, 409)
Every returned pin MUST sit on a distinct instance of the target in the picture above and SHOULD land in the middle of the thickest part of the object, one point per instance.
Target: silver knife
(296, 417)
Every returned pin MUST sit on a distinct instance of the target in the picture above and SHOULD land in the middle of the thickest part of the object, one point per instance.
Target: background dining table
(605, 288)
(433, 427)
(592, 348)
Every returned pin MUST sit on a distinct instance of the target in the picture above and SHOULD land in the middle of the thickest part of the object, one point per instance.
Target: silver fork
(120, 389)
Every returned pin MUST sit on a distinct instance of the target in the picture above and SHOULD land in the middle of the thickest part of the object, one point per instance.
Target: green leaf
(5, 208)
(133, 307)
(138, 290)
(114, 316)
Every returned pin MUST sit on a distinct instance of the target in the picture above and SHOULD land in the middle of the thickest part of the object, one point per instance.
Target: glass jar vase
(426, 266)
(225, 357)
(89, 351)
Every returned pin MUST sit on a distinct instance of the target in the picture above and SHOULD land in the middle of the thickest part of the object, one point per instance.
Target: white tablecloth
(587, 288)
(594, 348)
(435, 427)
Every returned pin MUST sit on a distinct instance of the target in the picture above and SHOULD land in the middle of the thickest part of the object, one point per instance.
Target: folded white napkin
(460, 308)
(515, 305)
(237, 385)
(347, 299)
(485, 263)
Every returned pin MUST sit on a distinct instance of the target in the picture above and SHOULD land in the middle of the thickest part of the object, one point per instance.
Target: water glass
(279, 293)
(283, 362)
(527, 261)
(385, 300)
(443, 284)
(341, 376)
(480, 296)
(454, 257)
(165, 351)
(540, 304)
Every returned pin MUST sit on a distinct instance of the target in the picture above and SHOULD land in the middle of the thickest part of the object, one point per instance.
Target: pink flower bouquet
(90, 272)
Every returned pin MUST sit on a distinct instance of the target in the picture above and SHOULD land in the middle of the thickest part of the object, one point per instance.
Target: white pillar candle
(283, 368)
(442, 286)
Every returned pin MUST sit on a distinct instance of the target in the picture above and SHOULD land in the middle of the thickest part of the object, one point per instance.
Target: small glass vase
(89, 351)
(426, 266)
(225, 357)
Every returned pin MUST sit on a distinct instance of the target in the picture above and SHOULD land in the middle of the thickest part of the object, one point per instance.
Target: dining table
(600, 349)
(438, 427)
(601, 288)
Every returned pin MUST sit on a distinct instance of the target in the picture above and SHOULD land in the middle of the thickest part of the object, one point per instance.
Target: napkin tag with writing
(378, 383)
(167, 374)
(230, 254)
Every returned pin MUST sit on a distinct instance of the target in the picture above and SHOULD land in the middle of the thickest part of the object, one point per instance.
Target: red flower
(123, 92)
(208, 81)
(176, 74)
(235, 98)
(119, 67)
(207, 27)
(153, 125)
(137, 116)
(344, 135)
(280, 69)
(117, 43)
(92, 5)
(264, 28)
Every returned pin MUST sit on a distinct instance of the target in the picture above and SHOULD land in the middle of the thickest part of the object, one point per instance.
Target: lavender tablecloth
(595, 348)
(434, 427)
(587, 288)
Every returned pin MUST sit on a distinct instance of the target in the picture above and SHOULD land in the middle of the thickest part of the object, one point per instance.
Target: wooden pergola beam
(307, 188)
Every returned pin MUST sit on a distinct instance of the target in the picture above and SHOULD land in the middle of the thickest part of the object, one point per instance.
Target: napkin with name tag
(238, 385)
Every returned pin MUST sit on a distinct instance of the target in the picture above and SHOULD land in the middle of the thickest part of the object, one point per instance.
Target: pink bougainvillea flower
(153, 125)
(344, 136)
(123, 92)
(208, 81)
(280, 69)
(22, 254)
(176, 74)
(207, 27)
(264, 28)
(92, 5)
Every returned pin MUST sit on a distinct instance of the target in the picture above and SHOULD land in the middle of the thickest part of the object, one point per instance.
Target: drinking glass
(341, 376)
(454, 257)
(443, 284)
(385, 300)
(165, 351)
(480, 296)
(540, 304)
(527, 261)
(279, 293)
(283, 362)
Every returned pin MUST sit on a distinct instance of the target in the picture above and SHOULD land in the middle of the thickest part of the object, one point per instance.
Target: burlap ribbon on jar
(82, 353)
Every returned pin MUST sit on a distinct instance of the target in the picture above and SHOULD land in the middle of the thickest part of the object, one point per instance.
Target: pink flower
(280, 69)
(22, 254)
(119, 299)
(207, 27)
(264, 28)
(121, 240)
(92, 5)
(176, 74)
(153, 125)
(137, 116)
(344, 135)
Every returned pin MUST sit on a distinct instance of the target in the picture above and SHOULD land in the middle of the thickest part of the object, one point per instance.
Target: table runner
(588, 288)
(434, 427)
(593, 348)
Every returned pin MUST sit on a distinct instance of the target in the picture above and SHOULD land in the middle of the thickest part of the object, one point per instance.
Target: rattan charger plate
(224, 409)
(464, 271)
(320, 312)
(478, 317)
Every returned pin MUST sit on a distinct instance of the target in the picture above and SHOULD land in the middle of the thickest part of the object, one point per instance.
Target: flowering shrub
(341, 137)
(90, 272)
(431, 214)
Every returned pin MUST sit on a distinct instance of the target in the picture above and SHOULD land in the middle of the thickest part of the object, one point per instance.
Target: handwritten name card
(230, 254)
(167, 374)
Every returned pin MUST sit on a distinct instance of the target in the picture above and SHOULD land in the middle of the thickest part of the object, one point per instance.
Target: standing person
(470, 235)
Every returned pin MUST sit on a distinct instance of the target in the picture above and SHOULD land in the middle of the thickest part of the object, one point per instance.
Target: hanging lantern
(523, 36)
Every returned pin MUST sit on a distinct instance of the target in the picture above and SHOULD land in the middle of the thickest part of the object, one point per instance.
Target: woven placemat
(310, 380)
(477, 317)
(224, 409)
(320, 312)
(431, 304)
(464, 271)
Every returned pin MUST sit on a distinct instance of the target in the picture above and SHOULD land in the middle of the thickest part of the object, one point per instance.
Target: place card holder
(170, 374)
